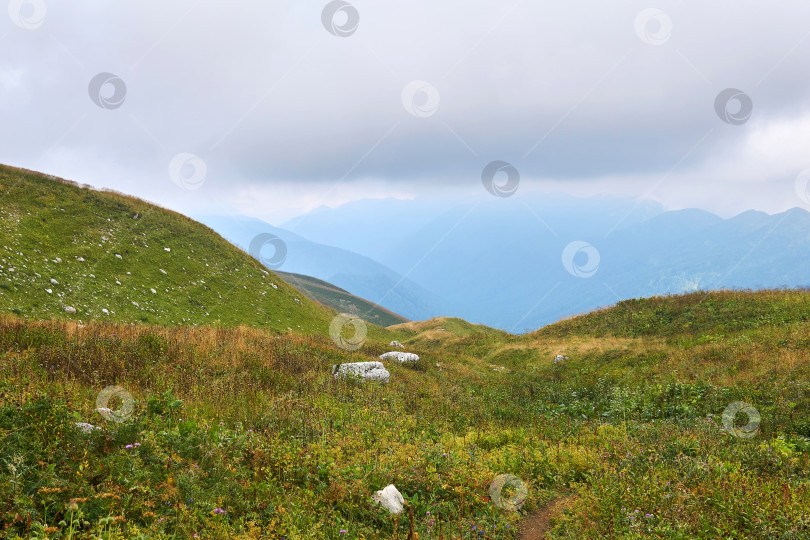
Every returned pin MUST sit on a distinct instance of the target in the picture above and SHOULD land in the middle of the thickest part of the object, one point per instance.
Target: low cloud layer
(290, 105)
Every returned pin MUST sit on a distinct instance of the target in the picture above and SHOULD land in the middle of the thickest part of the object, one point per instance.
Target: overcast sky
(271, 108)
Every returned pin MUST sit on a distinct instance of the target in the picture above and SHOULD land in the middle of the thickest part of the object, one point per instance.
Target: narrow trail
(537, 525)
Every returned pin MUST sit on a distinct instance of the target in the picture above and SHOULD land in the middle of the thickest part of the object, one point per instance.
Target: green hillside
(137, 261)
(715, 312)
(238, 428)
(341, 300)
(239, 433)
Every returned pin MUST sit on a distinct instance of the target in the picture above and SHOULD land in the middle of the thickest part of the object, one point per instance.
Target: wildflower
(427, 513)
(136, 444)
(219, 511)
(342, 531)
(128, 446)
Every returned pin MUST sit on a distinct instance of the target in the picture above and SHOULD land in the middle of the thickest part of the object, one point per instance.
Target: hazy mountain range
(523, 262)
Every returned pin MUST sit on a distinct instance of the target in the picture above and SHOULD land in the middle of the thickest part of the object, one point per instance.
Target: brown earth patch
(538, 524)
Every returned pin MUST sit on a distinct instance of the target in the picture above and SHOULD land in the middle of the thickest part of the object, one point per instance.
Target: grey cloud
(263, 93)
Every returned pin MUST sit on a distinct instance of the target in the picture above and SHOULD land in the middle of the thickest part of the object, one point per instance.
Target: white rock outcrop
(396, 344)
(400, 356)
(390, 498)
(368, 371)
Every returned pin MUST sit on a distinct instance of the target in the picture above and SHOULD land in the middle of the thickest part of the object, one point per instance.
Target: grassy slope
(629, 425)
(206, 280)
(253, 423)
(341, 300)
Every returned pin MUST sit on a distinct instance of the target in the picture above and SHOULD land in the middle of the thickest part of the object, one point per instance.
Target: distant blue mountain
(358, 274)
(499, 261)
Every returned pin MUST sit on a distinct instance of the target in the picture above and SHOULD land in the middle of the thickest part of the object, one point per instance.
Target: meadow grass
(242, 433)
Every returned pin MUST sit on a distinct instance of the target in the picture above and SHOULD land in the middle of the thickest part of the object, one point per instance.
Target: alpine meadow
(422, 271)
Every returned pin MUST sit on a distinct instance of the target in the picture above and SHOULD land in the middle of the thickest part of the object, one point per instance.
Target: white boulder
(390, 498)
(396, 344)
(400, 356)
(54, 282)
(368, 371)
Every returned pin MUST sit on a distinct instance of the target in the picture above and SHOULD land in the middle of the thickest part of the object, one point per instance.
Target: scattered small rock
(390, 498)
(105, 311)
(118, 255)
(369, 371)
(162, 271)
(57, 260)
(49, 291)
(70, 309)
(86, 428)
(80, 259)
(400, 356)
(153, 291)
(54, 282)
(560, 358)
(167, 249)
(396, 344)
